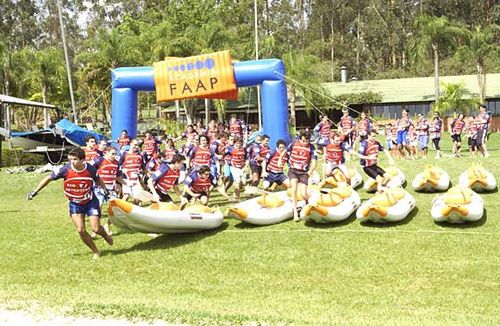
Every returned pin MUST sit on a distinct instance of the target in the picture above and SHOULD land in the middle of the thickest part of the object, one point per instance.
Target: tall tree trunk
(293, 120)
(358, 42)
(436, 72)
(46, 122)
(481, 81)
(188, 112)
(332, 53)
(207, 111)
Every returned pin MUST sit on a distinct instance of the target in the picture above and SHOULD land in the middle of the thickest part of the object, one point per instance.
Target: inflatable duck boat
(392, 205)
(269, 208)
(458, 205)
(433, 178)
(163, 217)
(396, 179)
(478, 179)
(331, 205)
(338, 178)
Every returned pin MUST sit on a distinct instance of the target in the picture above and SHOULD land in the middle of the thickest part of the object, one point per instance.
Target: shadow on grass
(167, 241)
(407, 220)
(467, 225)
(245, 225)
(345, 222)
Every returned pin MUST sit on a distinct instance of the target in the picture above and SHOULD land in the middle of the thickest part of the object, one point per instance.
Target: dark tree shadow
(466, 225)
(167, 241)
(406, 220)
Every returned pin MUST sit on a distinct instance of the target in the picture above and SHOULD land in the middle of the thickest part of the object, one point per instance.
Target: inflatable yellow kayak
(331, 205)
(269, 208)
(392, 205)
(458, 205)
(163, 217)
(338, 179)
(433, 178)
(478, 179)
(396, 180)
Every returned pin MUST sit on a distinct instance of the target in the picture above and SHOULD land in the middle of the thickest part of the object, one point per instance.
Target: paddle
(144, 196)
(253, 190)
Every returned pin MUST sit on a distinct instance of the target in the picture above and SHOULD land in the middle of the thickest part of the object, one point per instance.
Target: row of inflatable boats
(332, 200)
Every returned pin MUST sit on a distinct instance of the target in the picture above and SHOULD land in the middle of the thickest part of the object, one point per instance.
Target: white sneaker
(96, 256)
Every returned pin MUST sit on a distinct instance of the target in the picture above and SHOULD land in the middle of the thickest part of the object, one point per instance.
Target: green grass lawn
(413, 272)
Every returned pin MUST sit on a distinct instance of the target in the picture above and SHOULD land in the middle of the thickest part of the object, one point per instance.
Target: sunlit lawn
(414, 272)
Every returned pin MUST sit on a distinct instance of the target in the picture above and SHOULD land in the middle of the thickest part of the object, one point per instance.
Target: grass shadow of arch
(404, 221)
(466, 225)
(168, 241)
(345, 222)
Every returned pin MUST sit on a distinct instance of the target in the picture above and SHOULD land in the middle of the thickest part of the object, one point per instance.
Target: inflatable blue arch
(268, 73)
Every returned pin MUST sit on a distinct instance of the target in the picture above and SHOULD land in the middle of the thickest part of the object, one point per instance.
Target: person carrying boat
(79, 178)
(302, 163)
(165, 178)
(256, 154)
(369, 150)
(272, 166)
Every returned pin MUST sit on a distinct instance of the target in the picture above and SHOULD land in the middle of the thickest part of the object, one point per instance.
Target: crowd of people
(224, 157)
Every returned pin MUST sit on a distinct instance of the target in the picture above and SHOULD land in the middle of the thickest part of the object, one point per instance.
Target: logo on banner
(203, 76)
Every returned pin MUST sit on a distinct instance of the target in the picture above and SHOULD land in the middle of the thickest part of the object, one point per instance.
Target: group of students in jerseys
(408, 139)
(219, 157)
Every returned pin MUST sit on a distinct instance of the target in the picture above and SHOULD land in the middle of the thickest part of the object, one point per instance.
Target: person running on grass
(272, 166)
(237, 163)
(457, 126)
(323, 129)
(79, 178)
(423, 134)
(165, 178)
(435, 130)
(302, 164)
(482, 121)
(368, 152)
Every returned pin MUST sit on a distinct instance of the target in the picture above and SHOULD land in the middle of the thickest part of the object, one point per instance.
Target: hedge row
(9, 158)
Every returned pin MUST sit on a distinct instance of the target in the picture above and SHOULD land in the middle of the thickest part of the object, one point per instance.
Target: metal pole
(67, 62)
(207, 111)
(259, 109)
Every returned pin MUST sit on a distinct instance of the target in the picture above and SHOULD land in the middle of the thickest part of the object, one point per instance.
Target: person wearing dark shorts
(302, 163)
(166, 178)
(272, 166)
(369, 150)
(79, 178)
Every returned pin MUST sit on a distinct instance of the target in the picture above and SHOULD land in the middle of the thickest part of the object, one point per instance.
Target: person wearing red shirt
(369, 150)
(457, 126)
(237, 163)
(166, 178)
(131, 170)
(272, 166)
(302, 163)
(198, 185)
(79, 178)
(90, 149)
(334, 156)
(124, 139)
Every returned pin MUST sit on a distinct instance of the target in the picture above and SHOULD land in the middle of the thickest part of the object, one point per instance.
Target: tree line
(374, 38)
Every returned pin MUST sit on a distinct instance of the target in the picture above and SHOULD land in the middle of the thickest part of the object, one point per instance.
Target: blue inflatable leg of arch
(269, 73)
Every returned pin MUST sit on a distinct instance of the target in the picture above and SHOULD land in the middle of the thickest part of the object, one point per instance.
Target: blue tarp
(76, 133)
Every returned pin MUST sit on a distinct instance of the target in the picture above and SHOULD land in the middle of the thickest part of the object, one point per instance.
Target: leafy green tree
(455, 98)
(434, 35)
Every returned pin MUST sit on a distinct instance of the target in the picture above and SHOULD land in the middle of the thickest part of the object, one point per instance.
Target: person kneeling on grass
(272, 166)
(79, 178)
(166, 178)
(368, 152)
(335, 158)
(198, 186)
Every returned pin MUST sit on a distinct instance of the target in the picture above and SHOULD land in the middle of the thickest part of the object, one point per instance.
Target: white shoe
(96, 256)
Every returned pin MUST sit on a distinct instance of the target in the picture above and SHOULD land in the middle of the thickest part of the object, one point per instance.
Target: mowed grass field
(413, 272)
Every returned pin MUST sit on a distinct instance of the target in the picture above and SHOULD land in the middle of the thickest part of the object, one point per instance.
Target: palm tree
(455, 98)
(482, 43)
(435, 34)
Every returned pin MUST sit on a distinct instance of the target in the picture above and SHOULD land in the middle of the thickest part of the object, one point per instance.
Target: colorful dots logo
(198, 65)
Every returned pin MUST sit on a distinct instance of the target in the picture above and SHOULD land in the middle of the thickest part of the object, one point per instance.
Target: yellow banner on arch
(203, 76)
